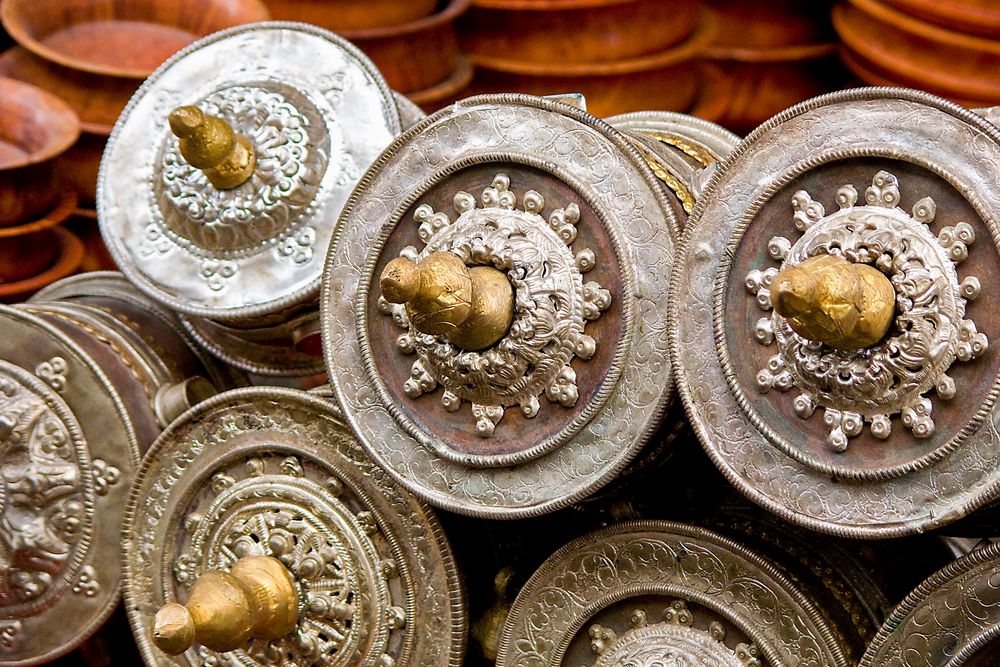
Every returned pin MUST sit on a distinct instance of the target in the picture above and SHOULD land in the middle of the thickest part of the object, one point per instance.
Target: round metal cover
(893, 438)
(662, 593)
(69, 455)
(269, 471)
(563, 206)
(950, 620)
(317, 112)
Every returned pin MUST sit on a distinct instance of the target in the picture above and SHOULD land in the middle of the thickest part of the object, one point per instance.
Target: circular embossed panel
(890, 439)
(254, 249)
(658, 593)
(951, 619)
(275, 472)
(69, 454)
(563, 207)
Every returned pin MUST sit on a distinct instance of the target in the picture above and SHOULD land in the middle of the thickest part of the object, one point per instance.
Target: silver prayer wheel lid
(895, 194)
(275, 472)
(950, 620)
(642, 592)
(69, 455)
(559, 208)
(313, 110)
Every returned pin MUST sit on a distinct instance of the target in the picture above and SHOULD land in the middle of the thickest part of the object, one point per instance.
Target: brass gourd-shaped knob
(472, 307)
(256, 599)
(828, 299)
(210, 144)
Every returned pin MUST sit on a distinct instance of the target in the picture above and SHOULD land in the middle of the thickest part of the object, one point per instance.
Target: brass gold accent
(486, 631)
(257, 599)
(472, 307)
(210, 144)
(828, 299)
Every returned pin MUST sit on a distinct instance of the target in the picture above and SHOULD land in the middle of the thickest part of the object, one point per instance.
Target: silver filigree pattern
(930, 332)
(552, 306)
(673, 642)
(53, 373)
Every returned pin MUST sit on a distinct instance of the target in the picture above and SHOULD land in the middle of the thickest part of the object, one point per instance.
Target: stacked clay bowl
(36, 127)
(620, 54)
(413, 43)
(773, 54)
(95, 53)
(950, 48)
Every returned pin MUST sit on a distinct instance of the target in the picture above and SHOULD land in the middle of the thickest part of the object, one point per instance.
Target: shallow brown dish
(713, 94)
(451, 89)
(906, 49)
(119, 37)
(765, 24)
(27, 250)
(341, 15)
(667, 80)
(35, 128)
(96, 99)
(415, 55)
(69, 255)
(560, 31)
(976, 17)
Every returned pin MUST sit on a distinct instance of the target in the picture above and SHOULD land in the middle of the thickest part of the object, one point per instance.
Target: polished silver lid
(316, 112)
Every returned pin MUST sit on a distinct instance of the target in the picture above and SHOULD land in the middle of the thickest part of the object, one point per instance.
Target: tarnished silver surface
(927, 156)
(69, 455)
(648, 592)
(587, 184)
(950, 620)
(254, 249)
(270, 471)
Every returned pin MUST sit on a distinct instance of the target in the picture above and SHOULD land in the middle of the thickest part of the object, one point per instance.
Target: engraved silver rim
(772, 488)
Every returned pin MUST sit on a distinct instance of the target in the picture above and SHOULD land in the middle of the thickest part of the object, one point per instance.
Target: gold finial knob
(472, 307)
(209, 143)
(843, 304)
(257, 599)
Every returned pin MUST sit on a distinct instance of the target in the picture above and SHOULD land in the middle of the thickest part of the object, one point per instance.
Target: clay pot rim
(70, 257)
(21, 34)
(60, 213)
(964, 15)
(917, 76)
(547, 5)
(780, 54)
(922, 29)
(67, 131)
(451, 11)
(694, 46)
(459, 79)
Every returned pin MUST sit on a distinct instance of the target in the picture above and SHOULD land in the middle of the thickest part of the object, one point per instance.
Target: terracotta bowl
(27, 250)
(83, 224)
(35, 128)
(97, 100)
(667, 80)
(976, 17)
(69, 254)
(125, 38)
(451, 89)
(764, 24)
(909, 50)
(558, 31)
(340, 15)
(415, 55)
(77, 168)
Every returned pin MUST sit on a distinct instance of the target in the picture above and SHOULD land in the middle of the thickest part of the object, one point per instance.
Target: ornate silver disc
(651, 593)
(254, 249)
(952, 619)
(562, 206)
(890, 439)
(275, 472)
(69, 454)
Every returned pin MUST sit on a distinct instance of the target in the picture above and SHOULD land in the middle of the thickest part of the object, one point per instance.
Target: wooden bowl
(77, 168)
(125, 38)
(69, 254)
(415, 55)
(976, 17)
(713, 93)
(558, 31)
(97, 100)
(35, 128)
(451, 89)
(765, 24)
(342, 15)
(667, 80)
(906, 49)
(83, 224)
(27, 250)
